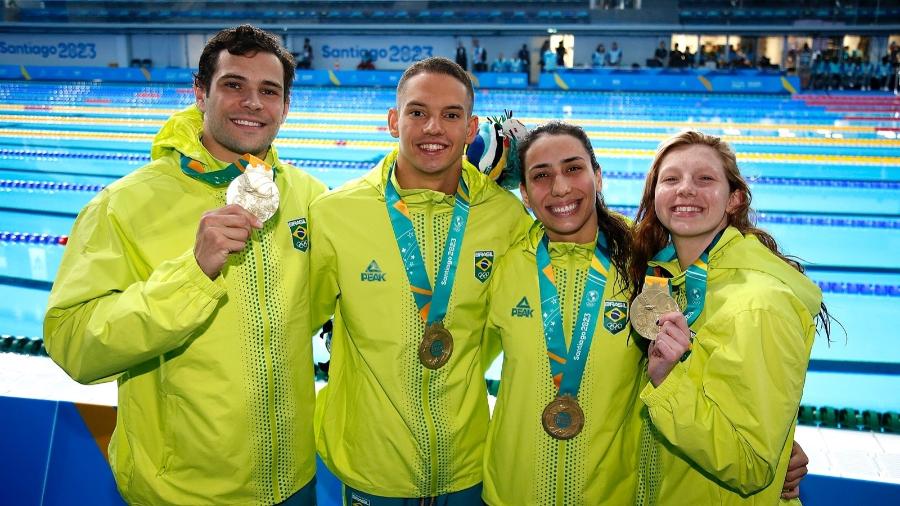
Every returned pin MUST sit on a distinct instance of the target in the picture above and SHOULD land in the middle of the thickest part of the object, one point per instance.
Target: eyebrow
(565, 160)
(416, 103)
(239, 77)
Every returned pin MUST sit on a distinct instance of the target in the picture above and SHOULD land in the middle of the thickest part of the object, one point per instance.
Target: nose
(252, 100)
(560, 187)
(433, 126)
(686, 188)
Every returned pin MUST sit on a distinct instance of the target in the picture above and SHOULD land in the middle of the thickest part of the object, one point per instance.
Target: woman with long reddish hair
(723, 393)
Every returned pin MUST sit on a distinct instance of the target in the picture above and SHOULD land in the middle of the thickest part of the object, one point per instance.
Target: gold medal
(563, 418)
(653, 302)
(436, 346)
(255, 191)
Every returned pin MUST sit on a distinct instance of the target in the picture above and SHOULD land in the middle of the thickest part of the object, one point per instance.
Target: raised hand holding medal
(653, 302)
(255, 189)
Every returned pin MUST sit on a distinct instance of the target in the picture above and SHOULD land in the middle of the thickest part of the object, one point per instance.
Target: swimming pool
(825, 173)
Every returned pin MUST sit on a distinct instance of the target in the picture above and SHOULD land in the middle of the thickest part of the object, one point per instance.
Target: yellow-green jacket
(386, 425)
(523, 464)
(215, 377)
(724, 419)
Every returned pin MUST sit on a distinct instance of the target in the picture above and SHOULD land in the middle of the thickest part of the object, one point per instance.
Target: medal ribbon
(432, 304)
(567, 366)
(695, 278)
(219, 178)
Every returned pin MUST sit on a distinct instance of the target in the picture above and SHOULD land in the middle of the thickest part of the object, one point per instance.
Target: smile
(245, 122)
(687, 209)
(564, 210)
(432, 148)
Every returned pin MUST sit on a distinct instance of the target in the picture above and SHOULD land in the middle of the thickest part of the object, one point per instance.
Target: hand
(672, 341)
(795, 472)
(222, 232)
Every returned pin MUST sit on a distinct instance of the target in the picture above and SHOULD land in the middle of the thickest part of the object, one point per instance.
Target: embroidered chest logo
(373, 273)
(615, 315)
(522, 309)
(299, 233)
(484, 263)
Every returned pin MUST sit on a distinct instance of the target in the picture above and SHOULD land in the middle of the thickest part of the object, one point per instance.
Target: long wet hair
(612, 225)
(650, 236)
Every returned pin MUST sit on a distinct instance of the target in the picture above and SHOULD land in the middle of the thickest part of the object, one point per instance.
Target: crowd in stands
(848, 70)
(828, 69)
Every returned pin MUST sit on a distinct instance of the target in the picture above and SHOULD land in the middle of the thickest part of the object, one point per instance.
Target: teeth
(564, 209)
(431, 147)
(687, 209)
(247, 123)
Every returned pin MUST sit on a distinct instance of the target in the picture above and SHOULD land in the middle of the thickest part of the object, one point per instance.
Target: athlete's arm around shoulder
(109, 308)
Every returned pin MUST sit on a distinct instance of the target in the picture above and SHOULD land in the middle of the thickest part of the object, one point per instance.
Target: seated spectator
(835, 74)
(598, 59)
(867, 74)
(517, 65)
(501, 64)
(614, 56)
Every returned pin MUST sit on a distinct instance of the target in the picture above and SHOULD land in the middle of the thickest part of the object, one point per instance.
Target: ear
(472, 129)
(287, 109)
(393, 119)
(734, 201)
(200, 98)
(524, 195)
(599, 180)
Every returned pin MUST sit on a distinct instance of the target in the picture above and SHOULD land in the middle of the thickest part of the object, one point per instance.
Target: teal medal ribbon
(563, 417)
(567, 366)
(437, 343)
(216, 178)
(695, 278)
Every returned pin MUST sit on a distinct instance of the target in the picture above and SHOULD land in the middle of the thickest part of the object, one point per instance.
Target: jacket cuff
(655, 396)
(214, 289)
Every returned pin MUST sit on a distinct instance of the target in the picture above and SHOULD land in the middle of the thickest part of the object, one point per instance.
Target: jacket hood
(182, 133)
(749, 253)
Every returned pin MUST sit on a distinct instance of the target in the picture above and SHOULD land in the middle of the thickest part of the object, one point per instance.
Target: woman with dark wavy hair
(566, 423)
(723, 394)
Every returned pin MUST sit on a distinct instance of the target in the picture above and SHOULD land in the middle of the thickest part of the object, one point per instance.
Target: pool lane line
(806, 218)
(33, 238)
(56, 186)
(301, 118)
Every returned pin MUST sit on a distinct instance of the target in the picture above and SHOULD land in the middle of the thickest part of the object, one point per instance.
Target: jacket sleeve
(323, 281)
(733, 421)
(109, 311)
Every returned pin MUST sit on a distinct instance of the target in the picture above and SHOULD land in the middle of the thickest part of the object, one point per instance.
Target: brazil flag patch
(484, 264)
(299, 234)
(615, 315)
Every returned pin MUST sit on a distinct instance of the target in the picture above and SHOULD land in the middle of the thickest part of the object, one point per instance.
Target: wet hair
(438, 65)
(613, 226)
(243, 40)
(649, 234)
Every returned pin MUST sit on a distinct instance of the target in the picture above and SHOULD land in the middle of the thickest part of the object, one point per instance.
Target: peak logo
(373, 273)
(522, 309)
